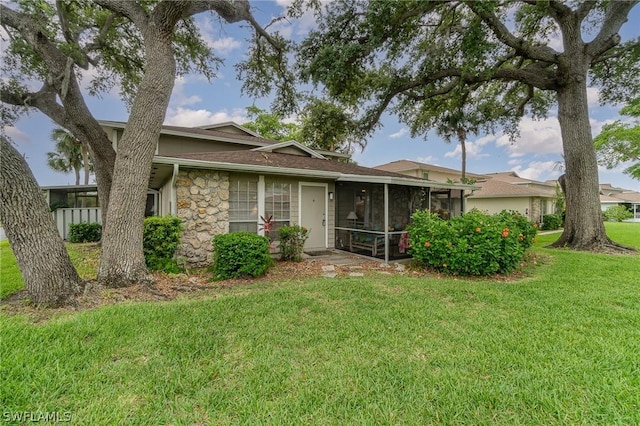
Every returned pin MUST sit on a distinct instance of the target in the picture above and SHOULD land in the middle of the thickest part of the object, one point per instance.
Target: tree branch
(608, 37)
(132, 10)
(617, 53)
(522, 47)
(585, 7)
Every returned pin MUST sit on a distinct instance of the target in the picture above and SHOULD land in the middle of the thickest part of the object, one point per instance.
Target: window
(277, 203)
(243, 204)
(425, 175)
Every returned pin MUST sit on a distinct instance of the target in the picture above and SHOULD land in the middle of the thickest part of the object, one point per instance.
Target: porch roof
(297, 165)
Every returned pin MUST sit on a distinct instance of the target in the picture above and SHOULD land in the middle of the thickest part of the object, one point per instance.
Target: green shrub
(617, 213)
(85, 232)
(472, 244)
(161, 239)
(292, 239)
(240, 254)
(551, 222)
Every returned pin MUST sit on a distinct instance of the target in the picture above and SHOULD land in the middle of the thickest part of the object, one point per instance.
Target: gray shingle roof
(273, 159)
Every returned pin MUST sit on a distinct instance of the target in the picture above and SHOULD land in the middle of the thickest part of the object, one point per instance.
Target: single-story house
(498, 191)
(224, 178)
(496, 195)
(427, 171)
(612, 196)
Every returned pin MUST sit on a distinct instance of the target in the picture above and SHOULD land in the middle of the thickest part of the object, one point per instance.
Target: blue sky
(196, 101)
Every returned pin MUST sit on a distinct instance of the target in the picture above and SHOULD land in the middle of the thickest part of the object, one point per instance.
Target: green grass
(10, 278)
(559, 347)
(85, 258)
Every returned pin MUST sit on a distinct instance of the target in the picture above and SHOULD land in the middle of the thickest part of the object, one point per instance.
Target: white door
(313, 215)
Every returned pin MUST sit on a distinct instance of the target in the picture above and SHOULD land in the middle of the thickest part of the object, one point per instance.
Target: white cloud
(536, 137)
(597, 125)
(429, 159)
(538, 170)
(593, 96)
(222, 46)
(16, 134)
(198, 117)
(555, 42)
(179, 98)
(400, 133)
(474, 149)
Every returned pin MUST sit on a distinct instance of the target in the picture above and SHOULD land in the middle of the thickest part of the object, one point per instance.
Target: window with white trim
(277, 204)
(243, 204)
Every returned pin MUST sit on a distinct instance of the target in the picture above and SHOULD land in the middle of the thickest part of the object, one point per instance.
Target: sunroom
(372, 215)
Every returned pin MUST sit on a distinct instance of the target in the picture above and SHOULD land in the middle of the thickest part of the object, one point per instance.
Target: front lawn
(557, 348)
(85, 258)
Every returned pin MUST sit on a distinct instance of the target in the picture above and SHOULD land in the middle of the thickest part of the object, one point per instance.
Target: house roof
(496, 188)
(629, 196)
(229, 124)
(278, 163)
(294, 144)
(217, 135)
(513, 178)
(404, 165)
(610, 189)
(607, 199)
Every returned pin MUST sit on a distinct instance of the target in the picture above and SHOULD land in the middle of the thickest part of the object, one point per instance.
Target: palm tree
(70, 155)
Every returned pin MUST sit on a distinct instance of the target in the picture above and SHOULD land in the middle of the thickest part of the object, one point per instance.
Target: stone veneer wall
(536, 210)
(203, 205)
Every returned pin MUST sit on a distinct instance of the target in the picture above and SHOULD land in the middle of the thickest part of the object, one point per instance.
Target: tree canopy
(493, 61)
(139, 45)
(619, 142)
(271, 125)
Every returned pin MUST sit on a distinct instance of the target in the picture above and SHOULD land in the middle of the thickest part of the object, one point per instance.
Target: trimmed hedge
(161, 239)
(85, 232)
(472, 244)
(551, 222)
(240, 254)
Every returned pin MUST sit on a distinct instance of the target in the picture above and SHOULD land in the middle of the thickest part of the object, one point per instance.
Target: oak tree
(519, 56)
(140, 44)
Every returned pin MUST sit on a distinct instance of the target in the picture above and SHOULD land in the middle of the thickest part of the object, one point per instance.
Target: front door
(312, 215)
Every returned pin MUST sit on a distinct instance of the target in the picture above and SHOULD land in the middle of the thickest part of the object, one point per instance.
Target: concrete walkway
(340, 262)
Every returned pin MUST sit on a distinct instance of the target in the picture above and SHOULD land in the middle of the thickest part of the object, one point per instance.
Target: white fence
(65, 217)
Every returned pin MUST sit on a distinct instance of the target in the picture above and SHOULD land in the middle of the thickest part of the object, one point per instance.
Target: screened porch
(372, 218)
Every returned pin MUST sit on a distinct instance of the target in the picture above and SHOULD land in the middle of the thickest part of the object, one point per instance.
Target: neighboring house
(611, 196)
(224, 178)
(508, 191)
(427, 171)
(498, 191)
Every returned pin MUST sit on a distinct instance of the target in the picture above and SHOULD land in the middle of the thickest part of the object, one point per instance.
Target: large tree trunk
(584, 227)
(48, 274)
(122, 262)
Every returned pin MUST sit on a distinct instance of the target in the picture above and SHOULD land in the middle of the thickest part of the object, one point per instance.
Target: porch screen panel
(243, 204)
(277, 204)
